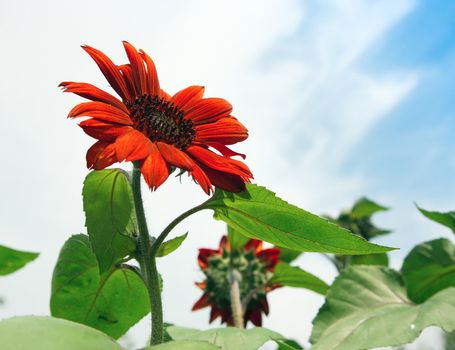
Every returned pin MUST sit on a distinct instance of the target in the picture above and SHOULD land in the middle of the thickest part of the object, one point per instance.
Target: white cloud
(291, 70)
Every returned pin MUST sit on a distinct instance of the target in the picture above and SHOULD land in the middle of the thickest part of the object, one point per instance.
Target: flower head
(160, 131)
(255, 266)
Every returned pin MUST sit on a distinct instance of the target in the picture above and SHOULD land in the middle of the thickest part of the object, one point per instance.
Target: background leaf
(110, 216)
(236, 239)
(111, 303)
(429, 268)
(229, 338)
(288, 345)
(184, 345)
(293, 276)
(169, 246)
(289, 255)
(258, 213)
(12, 260)
(370, 259)
(47, 333)
(446, 219)
(367, 307)
(365, 207)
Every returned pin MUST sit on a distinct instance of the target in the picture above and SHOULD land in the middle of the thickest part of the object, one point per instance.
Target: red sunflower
(160, 131)
(255, 266)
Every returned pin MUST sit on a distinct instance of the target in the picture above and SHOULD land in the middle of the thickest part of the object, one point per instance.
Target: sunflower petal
(186, 98)
(100, 111)
(226, 131)
(224, 245)
(225, 151)
(255, 317)
(270, 256)
(127, 73)
(102, 130)
(101, 155)
(138, 68)
(201, 285)
(254, 244)
(133, 146)
(202, 179)
(214, 313)
(219, 163)
(175, 157)
(109, 70)
(204, 254)
(154, 169)
(203, 302)
(264, 305)
(93, 93)
(164, 95)
(153, 84)
(208, 110)
(226, 317)
(225, 181)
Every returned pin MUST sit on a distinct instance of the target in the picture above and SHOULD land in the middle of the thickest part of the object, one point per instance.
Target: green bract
(171, 245)
(110, 216)
(259, 213)
(12, 260)
(112, 302)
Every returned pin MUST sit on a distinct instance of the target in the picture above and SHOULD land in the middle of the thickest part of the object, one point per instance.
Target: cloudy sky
(342, 99)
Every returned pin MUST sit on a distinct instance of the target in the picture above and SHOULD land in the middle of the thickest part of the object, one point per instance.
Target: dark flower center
(253, 272)
(161, 120)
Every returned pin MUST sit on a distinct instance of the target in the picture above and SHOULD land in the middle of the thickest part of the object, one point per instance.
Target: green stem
(147, 262)
(157, 243)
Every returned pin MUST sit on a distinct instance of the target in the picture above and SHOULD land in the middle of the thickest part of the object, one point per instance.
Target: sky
(342, 99)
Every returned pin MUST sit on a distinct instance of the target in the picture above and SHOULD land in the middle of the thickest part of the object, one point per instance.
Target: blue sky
(342, 99)
(411, 149)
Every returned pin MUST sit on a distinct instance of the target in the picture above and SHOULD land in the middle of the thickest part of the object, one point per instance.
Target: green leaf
(47, 333)
(293, 276)
(288, 345)
(229, 338)
(258, 213)
(169, 246)
(365, 207)
(12, 260)
(370, 259)
(111, 303)
(429, 268)
(446, 219)
(449, 341)
(110, 216)
(289, 255)
(236, 239)
(184, 345)
(367, 307)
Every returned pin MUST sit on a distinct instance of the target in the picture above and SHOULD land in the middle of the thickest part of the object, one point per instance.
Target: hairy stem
(236, 303)
(147, 262)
